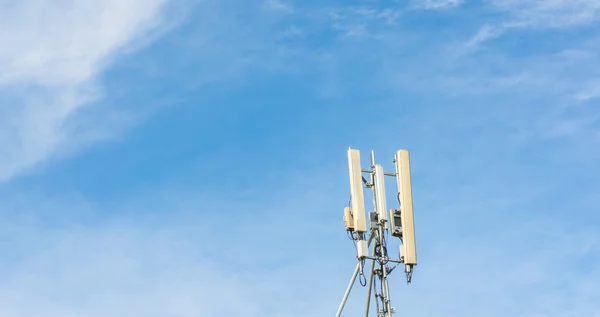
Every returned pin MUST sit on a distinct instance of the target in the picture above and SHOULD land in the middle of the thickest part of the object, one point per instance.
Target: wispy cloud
(361, 21)
(485, 33)
(437, 4)
(589, 92)
(277, 5)
(538, 15)
(50, 59)
(550, 14)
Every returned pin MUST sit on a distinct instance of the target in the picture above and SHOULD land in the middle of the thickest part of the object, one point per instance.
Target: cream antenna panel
(356, 191)
(403, 178)
(380, 204)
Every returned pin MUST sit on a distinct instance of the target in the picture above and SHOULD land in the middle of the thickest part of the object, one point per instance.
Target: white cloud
(437, 4)
(548, 14)
(486, 32)
(50, 57)
(535, 14)
(589, 93)
(277, 5)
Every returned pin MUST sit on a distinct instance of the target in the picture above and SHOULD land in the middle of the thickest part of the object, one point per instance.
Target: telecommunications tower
(372, 241)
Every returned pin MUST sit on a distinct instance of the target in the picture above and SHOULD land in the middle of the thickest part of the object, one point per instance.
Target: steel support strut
(348, 289)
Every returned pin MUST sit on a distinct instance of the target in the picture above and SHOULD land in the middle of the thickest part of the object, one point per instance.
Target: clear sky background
(188, 158)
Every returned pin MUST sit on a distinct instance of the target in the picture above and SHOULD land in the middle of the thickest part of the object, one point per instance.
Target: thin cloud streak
(437, 4)
(538, 15)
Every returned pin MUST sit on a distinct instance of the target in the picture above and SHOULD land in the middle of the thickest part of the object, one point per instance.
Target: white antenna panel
(356, 191)
(406, 205)
(381, 204)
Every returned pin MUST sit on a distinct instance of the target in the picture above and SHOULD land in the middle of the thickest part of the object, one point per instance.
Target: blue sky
(187, 158)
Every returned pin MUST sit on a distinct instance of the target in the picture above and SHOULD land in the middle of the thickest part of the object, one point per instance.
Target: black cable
(361, 277)
(393, 268)
(381, 253)
(377, 250)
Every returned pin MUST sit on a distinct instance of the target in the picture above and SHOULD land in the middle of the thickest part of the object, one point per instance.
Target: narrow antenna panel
(356, 191)
(406, 206)
(381, 205)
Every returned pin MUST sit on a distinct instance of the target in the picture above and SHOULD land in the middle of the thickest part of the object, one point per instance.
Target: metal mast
(372, 242)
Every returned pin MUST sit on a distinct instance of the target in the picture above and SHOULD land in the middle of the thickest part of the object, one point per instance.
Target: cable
(394, 267)
(365, 181)
(381, 253)
(362, 277)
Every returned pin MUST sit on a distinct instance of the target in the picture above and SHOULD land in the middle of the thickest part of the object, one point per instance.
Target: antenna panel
(379, 187)
(356, 191)
(406, 206)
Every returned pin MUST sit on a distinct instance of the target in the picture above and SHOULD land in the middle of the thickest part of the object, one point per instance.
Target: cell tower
(372, 241)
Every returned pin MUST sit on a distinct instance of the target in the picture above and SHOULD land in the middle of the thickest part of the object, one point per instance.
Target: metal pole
(348, 289)
(371, 276)
(385, 285)
(385, 291)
